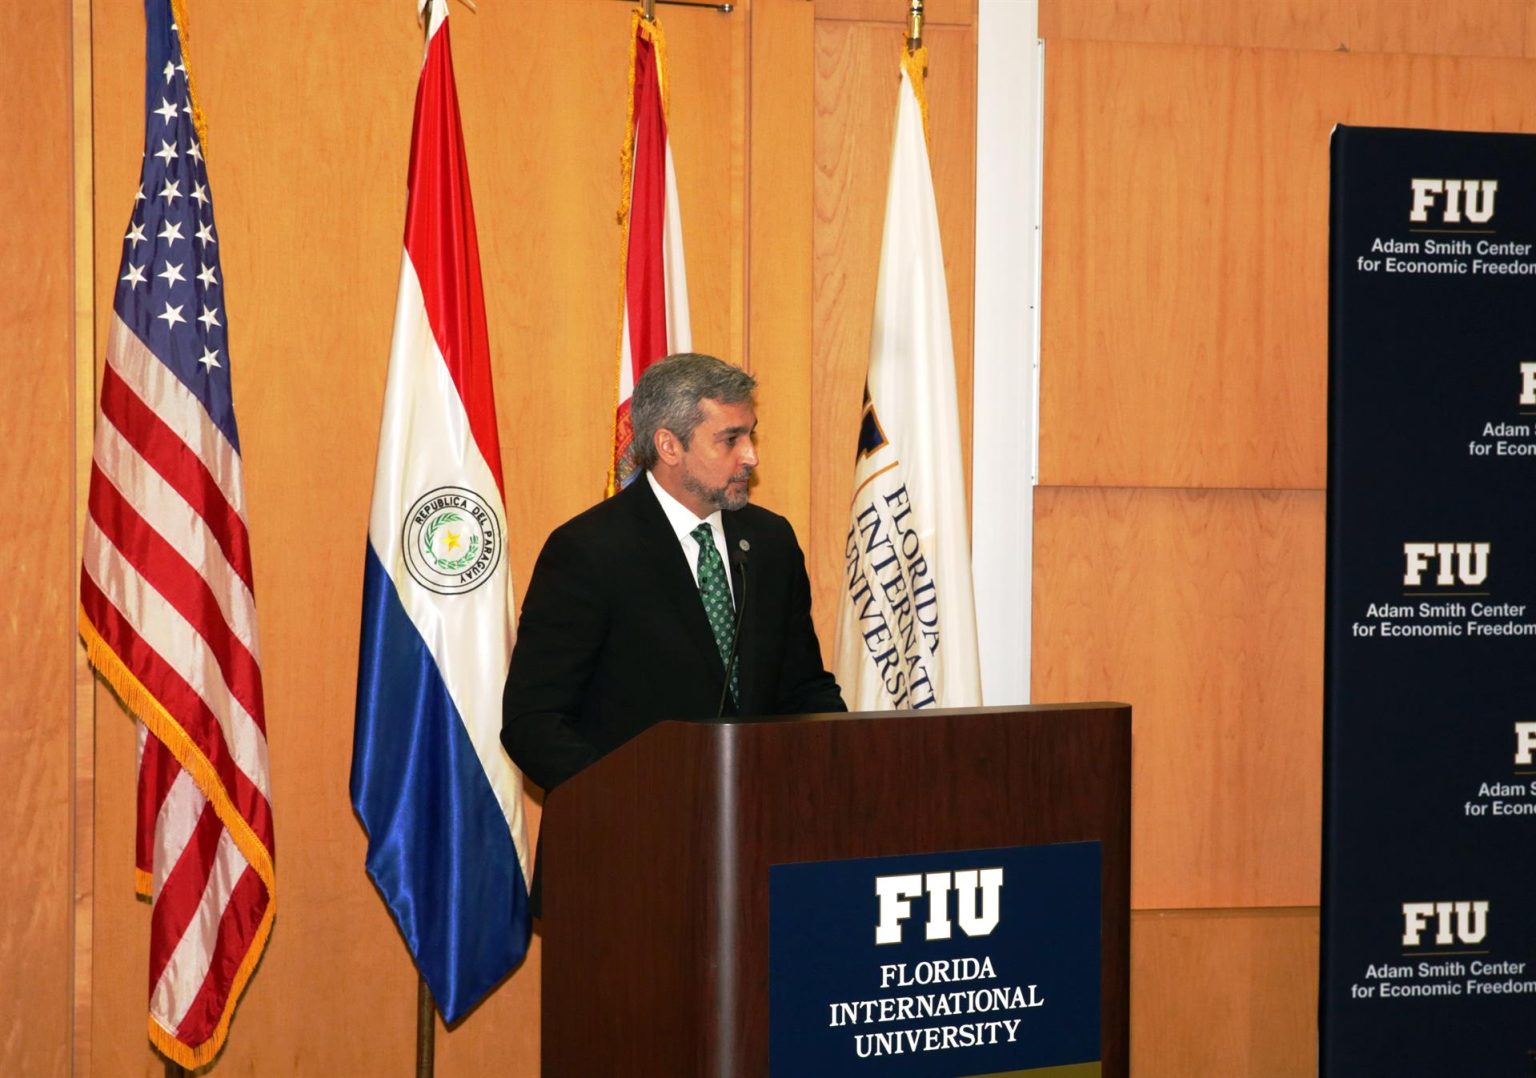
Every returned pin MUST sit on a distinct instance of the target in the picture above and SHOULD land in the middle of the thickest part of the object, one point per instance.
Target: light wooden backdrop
(37, 645)
(1179, 527)
(781, 122)
(1179, 524)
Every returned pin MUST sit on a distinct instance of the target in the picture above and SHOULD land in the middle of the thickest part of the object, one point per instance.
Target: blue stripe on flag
(439, 847)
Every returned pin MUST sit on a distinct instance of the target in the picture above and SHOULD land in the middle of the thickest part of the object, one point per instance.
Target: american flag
(167, 610)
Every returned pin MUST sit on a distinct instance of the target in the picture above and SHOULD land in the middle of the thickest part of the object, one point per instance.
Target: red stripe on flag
(165, 569)
(180, 897)
(440, 241)
(645, 272)
(237, 929)
(179, 466)
(182, 702)
(157, 770)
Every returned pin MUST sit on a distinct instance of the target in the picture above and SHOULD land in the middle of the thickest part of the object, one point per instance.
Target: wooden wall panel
(1184, 321)
(1466, 28)
(857, 72)
(37, 639)
(781, 102)
(1204, 610)
(1224, 992)
(707, 63)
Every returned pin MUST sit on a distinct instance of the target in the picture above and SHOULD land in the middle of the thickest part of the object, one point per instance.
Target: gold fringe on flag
(142, 704)
(650, 29)
(915, 63)
(179, 12)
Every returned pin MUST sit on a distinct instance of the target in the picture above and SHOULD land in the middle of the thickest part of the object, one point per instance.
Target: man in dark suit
(629, 616)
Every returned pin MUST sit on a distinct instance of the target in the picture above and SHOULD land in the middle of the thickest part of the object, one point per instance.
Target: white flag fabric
(906, 635)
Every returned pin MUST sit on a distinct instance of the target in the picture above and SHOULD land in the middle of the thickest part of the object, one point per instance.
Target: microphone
(739, 562)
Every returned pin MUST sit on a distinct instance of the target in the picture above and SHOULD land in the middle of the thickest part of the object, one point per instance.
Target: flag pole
(426, 1029)
(915, 26)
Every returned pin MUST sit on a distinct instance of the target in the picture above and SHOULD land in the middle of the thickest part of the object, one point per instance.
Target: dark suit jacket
(613, 636)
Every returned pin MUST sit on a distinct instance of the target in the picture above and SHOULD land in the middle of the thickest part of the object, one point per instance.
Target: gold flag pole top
(915, 26)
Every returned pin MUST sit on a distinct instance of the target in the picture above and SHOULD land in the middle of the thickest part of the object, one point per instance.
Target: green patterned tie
(716, 595)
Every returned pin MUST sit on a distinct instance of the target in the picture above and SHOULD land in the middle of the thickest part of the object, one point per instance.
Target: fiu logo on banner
(1455, 563)
(1525, 742)
(1463, 921)
(1455, 198)
(976, 891)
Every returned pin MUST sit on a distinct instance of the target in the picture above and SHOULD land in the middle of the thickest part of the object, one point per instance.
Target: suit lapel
(663, 555)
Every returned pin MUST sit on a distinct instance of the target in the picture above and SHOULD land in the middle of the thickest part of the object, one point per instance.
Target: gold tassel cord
(199, 121)
(915, 63)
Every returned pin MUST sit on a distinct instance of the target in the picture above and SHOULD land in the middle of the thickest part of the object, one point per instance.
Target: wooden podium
(656, 861)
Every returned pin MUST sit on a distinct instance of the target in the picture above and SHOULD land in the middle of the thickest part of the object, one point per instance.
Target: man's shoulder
(613, 521)
(596, 522)
(755, 516)
(763, 525)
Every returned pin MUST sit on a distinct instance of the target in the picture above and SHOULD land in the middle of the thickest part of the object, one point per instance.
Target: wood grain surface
(37, 550)
(1204, 610)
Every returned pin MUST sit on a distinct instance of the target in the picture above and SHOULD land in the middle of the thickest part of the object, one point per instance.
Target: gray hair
(668, 395)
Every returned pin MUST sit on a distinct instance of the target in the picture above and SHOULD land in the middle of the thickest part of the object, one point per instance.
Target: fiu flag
(442, 804)
(167, 611)
(906, 637)
(653, 315)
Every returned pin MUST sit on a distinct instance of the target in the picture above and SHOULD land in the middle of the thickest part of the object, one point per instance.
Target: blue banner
(1428, 934)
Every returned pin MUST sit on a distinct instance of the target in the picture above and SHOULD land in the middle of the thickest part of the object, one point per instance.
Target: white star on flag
(171, 315)
(209, 318)
(196, 152)
(134, 276)
(171, 191)
(200, 193)
(136, 234)
(172, 274)
(166, 152)
(205, 233)
(171, 232)
(167, 110)
(206, 275)
(209, 359)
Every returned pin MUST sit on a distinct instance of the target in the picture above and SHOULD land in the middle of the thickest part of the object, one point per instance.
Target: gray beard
(719, 497)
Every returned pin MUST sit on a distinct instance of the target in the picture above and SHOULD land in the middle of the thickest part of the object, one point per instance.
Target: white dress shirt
(683, 522)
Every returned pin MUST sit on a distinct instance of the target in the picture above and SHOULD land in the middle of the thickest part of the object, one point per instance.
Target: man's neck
(663, 479)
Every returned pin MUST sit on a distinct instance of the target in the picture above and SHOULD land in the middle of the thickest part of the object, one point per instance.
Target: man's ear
(668, 447)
